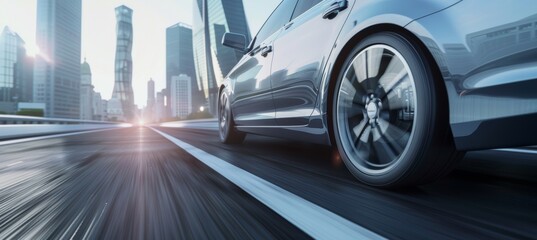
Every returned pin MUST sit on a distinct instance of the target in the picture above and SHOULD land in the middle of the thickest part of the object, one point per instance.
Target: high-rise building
(213, 61)
(16, 71)
(160, 106)
(123, 94)
(181, 96)
(104, 104)
(149, 110)
(150, 93)
(86, 92)
(180, 60)
(98, 107)
(57, 67)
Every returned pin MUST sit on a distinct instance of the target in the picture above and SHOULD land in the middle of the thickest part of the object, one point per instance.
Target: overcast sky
(150, 20)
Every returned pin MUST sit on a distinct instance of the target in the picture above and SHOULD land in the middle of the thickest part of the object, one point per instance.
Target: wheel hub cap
(373, 107)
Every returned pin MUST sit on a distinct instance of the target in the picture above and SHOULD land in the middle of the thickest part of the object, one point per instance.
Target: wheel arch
(222, 86)
(361, 35)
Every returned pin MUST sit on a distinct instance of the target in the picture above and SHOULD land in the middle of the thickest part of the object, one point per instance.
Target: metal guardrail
(14, 126)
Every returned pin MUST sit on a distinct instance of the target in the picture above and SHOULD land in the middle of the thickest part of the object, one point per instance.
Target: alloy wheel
(376, 109)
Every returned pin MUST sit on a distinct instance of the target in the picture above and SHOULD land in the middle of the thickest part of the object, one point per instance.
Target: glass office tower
(180, 60)
(57, 67)
(16, 71)
(86, 92)
(123, 94)
(213, 61)
(150, 93)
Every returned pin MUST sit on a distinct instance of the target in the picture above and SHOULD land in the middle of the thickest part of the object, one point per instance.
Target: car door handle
(288, 25)
(334, 9)
(266, 50)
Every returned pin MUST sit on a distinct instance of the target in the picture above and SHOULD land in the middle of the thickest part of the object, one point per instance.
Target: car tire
(390, 116)
(226, 125)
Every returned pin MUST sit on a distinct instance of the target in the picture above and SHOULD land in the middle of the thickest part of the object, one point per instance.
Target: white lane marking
(8, 142)
(314, 220)
(528, 151)
(13, 164)
(192, 125)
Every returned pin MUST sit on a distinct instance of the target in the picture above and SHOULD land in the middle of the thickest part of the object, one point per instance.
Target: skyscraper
(123, 95)
(212, 18)
(149, 111)
(150, 93)
(201, 46)
(98, 107)
(57, 67)
(160, 106)
(16, 72)
(181, 95)
(225, 16)
(86, 92)
(180, 60)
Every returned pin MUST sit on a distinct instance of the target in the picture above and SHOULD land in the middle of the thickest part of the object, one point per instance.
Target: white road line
(314, 220)
(516, 150)
(22, 140)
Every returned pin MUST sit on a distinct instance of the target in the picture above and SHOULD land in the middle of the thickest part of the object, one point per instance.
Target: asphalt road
(134, 183)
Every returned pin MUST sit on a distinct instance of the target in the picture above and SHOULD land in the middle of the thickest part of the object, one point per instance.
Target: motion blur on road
(134, 183)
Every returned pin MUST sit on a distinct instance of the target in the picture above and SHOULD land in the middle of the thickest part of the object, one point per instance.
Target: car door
(300, 54)
(252, 102)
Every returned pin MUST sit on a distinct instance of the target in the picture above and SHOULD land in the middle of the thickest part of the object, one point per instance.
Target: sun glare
(32, 50)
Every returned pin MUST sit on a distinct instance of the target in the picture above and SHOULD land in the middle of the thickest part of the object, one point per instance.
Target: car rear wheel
(226, 125)
(389, 115)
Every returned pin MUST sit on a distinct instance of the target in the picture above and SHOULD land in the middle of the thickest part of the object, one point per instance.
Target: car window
(277, 19)
(304, 5)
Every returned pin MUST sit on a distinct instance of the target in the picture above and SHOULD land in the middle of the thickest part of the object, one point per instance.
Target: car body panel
(364, 15)
(492, 93)
(251, 98)
(299, 59)
(489, 66)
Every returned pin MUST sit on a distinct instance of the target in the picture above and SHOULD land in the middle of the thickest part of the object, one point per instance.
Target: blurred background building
(57, 68)
(16, 72)
(86, 92)
(213, 61)
(149, 111)
(160, 106)
(122, 102)
(58, 86)
(181, 96)
(180, 61)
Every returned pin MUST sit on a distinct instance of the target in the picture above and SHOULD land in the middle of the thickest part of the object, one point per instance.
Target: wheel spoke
(384, 152)
(395, 135)
(395, 74)
(358, 131)
(352, 110)
(374, 58)
(360, 67)
(347, 89)
(351, 88)
(362, 144)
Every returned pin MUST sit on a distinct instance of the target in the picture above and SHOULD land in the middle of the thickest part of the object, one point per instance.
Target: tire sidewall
(223, 133)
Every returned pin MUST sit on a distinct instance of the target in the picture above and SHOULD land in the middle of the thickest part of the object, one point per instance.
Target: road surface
(180, 182)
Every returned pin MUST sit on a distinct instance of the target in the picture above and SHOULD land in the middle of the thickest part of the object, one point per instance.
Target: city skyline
(98, 35)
